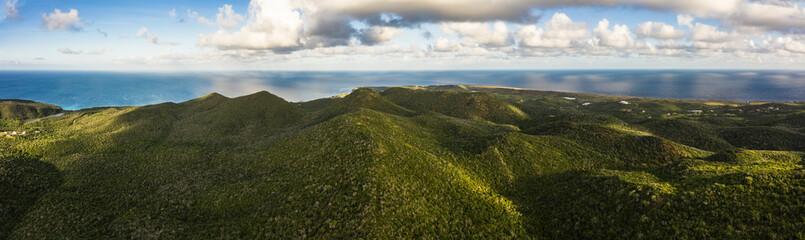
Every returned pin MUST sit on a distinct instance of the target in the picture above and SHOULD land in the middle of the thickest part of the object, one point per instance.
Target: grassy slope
(409, 164)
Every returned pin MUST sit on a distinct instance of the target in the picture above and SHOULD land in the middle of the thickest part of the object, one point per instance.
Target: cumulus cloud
(292, 25)
(559, 32)
(663, 49)
(779, 17)
(479, 32)
(446, 45)
(227, 18)
(270, 25)
(152, 38)
(658, 30)
(618, 37)
(59, 20)
(797, 47)
(477, 28)
(685, 20)
(512, 10)
(784, 45)
(707, 33)
(379, 35)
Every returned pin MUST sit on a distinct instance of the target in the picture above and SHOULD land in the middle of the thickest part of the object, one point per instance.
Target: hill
(409, 162)
(12, 111)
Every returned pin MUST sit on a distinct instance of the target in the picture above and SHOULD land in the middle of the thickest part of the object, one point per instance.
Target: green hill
(24, 109)
(690, 132)
(13, 111)
(475, 106)
(410, 162)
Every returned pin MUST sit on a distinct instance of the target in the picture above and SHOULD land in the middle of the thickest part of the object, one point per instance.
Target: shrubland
(408, 162)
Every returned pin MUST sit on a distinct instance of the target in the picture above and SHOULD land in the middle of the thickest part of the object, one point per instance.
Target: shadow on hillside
(580, 205)
(23, 180)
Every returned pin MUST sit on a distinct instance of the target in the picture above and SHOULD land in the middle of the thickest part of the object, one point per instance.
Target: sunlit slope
(473, 162)
(475, 106)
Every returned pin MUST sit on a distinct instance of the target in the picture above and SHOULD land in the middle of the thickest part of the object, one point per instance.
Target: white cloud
(58, 20)
(559, 32)
(69, 51)
(482, 10)
(446, 45)
(80, 52)
(287, 26)
(172, 13)
(797, 47)
(11, 9)
(786, 17)
(780, 15)
(685, 20)
(97, 52)
(618, 37)
(380, 35)
(290, 29)
(200, 19)
(271, 25)
(227, 18)
(651, 50)
(707, 33)
(152, 38)
(479, 32)
(658, 30)
(784, 45)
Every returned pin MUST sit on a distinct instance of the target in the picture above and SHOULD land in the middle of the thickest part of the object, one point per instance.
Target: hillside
(409, 162)
(12, 111)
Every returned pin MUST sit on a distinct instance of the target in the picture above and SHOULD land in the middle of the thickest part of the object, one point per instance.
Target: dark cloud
(329, 30)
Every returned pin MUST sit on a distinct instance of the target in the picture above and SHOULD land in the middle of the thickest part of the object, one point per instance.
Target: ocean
(74, 90)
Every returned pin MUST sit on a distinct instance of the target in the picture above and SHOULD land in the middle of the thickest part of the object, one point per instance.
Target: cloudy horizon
(402, 35)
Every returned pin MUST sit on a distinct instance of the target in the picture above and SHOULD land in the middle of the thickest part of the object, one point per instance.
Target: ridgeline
(407, 162)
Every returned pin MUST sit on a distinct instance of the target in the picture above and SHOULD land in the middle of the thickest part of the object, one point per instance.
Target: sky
(186, 35)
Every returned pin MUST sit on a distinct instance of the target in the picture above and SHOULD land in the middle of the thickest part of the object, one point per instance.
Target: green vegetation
(23, 180)
(407, 162)
(23, 109)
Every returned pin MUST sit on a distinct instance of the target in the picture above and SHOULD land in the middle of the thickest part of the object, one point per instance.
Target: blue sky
(358, 35)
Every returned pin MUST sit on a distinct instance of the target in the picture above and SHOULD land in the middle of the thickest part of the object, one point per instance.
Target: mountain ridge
(415, 162)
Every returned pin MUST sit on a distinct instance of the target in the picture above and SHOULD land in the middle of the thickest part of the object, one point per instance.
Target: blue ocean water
(77, 90)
